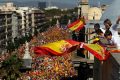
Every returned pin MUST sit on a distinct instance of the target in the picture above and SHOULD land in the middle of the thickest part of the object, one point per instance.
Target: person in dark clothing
(97, 29)
(83, 71)
(74, 37)
(81, 38)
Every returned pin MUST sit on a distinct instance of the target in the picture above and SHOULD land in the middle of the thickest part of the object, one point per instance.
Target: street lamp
(27, 59)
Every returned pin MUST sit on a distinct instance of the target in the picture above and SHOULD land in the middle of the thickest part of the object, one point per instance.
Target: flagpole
(79, 9)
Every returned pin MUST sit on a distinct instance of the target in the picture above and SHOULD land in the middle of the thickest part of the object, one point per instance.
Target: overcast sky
(67, 3)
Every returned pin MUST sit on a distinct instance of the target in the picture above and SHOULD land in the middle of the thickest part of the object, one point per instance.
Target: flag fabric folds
(62, 47)
(98, 51)
(57, 48)
(114, 51)
(77, 25)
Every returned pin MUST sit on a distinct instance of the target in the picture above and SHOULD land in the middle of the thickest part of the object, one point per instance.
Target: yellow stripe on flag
(76, 26)
(59, 46)
(97, 50)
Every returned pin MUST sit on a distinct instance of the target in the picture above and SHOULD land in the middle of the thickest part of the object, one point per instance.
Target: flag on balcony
(98, 51)
(114, 51)
(77, 25)
(57, 48)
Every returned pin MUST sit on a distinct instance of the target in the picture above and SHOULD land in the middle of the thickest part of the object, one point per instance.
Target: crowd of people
(49, 67)
(46, 67)
(56, 67)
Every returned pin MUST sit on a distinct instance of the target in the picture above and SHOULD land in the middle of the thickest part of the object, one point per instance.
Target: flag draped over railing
(62, 47)
(97, 50)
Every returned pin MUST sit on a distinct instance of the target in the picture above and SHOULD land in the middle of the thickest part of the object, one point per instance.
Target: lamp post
(27, 59)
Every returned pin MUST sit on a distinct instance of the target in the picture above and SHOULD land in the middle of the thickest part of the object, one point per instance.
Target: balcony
(109, 69)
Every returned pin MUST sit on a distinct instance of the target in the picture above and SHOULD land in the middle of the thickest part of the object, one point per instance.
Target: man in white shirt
(113, 29)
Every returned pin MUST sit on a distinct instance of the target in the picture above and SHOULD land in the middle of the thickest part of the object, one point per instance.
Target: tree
(10, 47)
(10, 68)
(64, 19)
(29, 37)
(53, 22)
(35, 32)
(16, 42)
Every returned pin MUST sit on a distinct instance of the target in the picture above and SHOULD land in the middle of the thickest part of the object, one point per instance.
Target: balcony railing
(109, 69)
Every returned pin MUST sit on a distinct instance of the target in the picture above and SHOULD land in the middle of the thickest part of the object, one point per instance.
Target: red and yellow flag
(77, 25)
(97, 50)
(57, 48)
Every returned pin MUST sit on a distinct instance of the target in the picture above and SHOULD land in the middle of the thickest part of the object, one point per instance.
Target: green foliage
(52, 12)
(10, 47)
(10, 68)
(64, 19)
(35, 32)
(29, 37)
(53, 22)
(16, 42)
(22, 40)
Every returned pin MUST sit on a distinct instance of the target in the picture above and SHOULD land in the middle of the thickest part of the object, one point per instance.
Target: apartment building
(5, 28)
(18, 21)
(31, 18)
(38, 18)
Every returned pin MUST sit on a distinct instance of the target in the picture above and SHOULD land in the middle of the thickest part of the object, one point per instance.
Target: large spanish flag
(98, 51)
(77, 25)
(57, 48)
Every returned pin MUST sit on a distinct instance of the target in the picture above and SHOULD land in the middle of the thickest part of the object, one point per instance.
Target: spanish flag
(97, 50)
(77, 25)
(57, 48)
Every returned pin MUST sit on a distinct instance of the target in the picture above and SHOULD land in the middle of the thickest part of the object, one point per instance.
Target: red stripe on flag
(77, 25)
(74, 23)
(80, 27)
(95, 53)
(47, 50)
(72, 42)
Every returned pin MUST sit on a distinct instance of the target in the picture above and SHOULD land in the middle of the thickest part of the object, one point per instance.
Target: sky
(66, 3)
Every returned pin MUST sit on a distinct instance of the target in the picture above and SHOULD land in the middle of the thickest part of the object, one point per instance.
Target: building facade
(5, 28)
(38, 19)
(18, 22)
(42, 5)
